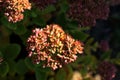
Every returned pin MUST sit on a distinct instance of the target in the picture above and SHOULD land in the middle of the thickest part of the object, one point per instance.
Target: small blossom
(106, 70)
(53, 46)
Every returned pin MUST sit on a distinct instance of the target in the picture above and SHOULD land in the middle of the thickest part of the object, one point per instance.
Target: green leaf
(39, 21)
(12, 70)
(21, 29)
(82, 36)
(90, 45)
(12, 51)
(106, 55)
(21, 67)
(61, 20)
(79, 35)
(89, 42)
(48, 9)
(69, 70)
(84, 71)
(25, 37)
(73, 25)
(95, 45)
(40, 74)
(8, 24)
(115, 61)
(88, 61)
(1, 55)
(29, 64)
(33, 13)
(64, 7)
(4, 68)
(61, 75)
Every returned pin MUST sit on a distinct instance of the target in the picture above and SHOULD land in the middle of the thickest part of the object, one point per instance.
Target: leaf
(29, 64)
(48, 9)
(1, 55)
(116, 61)
(8, 24)
(33, 13)
(90, 45)
(21, 67)
(20, 29)
(106, 55)
(77, 34)
(84, 71)
(64, 7)
(40, 74)
(25, 37)
(39, 21)
(89, 42)
(12, 51)
(4, 68)
(61, 75)
(69, 70)
(12, 70)
(73, 25)
(61, 20)
(95, 45)
(88, 61)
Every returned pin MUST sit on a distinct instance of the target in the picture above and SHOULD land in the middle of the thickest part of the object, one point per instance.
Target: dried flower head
(53, 47)
(106, 70)
(14, 9)
(85, 12)
(42, 4)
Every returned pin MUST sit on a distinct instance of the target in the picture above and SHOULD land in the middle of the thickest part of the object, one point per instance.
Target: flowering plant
(59, 40)
(53, 46)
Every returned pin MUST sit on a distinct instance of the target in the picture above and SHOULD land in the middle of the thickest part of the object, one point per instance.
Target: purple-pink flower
(106, 70)
(86, 12)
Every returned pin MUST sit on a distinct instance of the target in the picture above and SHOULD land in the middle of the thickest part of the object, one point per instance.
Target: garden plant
(59, 39)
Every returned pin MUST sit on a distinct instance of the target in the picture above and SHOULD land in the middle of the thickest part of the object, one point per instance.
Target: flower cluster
(106, 70)
(85, 12)
(41, 4)
(53, 47)
(14, 9)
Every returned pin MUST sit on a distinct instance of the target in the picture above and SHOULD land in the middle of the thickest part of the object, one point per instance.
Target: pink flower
(14, 9)
(106, 70)
(53, 46)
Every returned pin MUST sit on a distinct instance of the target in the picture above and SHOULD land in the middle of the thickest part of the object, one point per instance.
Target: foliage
(16, 65)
